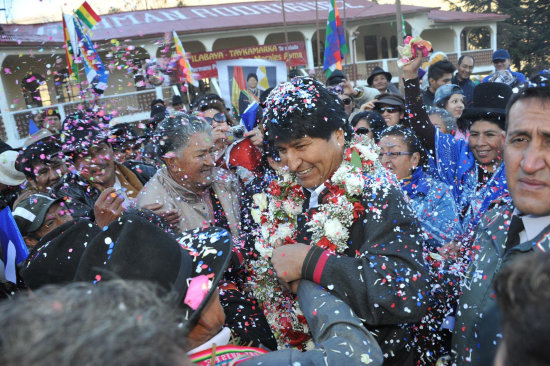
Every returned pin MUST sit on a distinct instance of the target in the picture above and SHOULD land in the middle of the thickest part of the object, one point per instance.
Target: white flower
(354, 184)
(366, 152)
(291, 208)
(334, 230)
(262, 249)
(319, 218)
(260, 200)
(283, 230)
(256, 215)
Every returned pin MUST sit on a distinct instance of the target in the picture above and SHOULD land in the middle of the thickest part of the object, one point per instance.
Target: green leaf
(355, 159)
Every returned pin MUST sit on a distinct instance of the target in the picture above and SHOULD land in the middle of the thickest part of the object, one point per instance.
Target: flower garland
(329, 228)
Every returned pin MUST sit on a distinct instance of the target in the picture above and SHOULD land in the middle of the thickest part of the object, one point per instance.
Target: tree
(525, 34)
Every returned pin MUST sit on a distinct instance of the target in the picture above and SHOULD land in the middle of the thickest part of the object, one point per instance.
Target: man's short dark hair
(113, 323)
(540, 93)
(251, 75)
(303, 107)
(437, 70)
(461, 58)
(413, 143)
(523, 294)
(41, 151)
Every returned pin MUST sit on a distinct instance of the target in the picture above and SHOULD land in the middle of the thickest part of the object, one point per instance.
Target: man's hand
(172, 217)
(449, 250)
(347, 88)
(256, 137)
(108, 207)
(219, 134)
(410, 70)
(288, 261)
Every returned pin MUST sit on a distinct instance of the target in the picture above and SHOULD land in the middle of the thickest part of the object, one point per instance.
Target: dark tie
(516, 227)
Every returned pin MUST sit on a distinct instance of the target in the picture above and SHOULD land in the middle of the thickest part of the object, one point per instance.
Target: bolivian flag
(87, 15)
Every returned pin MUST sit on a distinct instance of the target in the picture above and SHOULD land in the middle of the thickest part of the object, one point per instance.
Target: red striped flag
(87, 15)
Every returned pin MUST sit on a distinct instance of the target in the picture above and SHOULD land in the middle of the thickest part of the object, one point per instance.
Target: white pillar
(151, 49)
(458, 32)
(7, 117)
(309, 54)
(493, 28)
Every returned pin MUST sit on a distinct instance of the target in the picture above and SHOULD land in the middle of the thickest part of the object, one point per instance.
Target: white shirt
(221, 339)
(314, 198)
(533, 225)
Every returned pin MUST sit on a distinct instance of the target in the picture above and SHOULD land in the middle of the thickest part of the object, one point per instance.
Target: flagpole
(287, 54)
(345, 32)
(317, 30)
(398, 17)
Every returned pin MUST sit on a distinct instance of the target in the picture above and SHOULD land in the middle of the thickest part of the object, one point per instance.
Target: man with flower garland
(354, 234)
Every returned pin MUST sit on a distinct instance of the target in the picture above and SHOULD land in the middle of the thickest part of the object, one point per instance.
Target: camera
(235, 132)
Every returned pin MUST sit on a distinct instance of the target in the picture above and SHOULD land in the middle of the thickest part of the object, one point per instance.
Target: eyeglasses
(336, 89)
(218, 118)
(346, 101)
(362, 131)
(388, 109)
(393, 154)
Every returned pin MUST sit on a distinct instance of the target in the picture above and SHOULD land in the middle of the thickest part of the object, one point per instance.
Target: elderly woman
(473, 167)
(190, 184)
(403, 155)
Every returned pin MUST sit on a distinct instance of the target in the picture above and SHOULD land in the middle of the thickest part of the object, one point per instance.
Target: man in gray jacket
(510, 231)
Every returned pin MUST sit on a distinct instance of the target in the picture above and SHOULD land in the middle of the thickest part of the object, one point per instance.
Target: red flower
(274, 188)
(326, 244)
(334, 192)
(358, 210)
(289, 240)
(296, 191)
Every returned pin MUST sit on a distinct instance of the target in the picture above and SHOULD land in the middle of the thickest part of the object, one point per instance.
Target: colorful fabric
(237, 86)
(69, 52)
(95, 71)
(226, 355)
(87, 15)
(14, 250)
(185, 67)
(435, 208)
(335, 43)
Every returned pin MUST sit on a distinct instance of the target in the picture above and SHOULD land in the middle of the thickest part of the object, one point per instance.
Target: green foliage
(525, 34)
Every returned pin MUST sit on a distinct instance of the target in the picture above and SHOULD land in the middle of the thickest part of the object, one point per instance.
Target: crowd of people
(352, 224)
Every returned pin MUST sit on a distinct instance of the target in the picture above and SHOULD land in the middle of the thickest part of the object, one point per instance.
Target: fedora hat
(55, 258)
(377, 71)
(132, 248)
(8, 174)
(489, 102)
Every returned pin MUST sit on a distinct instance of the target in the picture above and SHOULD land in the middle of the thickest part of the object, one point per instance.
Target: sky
(39, 11)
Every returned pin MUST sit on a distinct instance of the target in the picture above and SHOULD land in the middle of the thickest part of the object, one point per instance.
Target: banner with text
(204, 63)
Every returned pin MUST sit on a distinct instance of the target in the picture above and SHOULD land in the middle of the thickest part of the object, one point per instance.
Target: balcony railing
(135, 106)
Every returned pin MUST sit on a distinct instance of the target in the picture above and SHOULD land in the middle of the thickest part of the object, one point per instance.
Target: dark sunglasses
(218, 118)
(346, 101)
(336, 89)
(362, 131)
(387, 109)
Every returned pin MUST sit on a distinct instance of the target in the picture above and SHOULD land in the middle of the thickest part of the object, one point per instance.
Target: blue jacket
(435, 208)
(456, 166)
